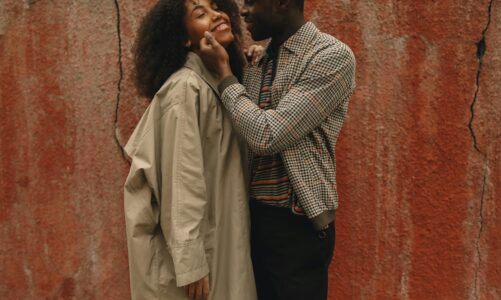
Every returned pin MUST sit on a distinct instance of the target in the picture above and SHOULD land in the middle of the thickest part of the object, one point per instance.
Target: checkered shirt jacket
(314, 79)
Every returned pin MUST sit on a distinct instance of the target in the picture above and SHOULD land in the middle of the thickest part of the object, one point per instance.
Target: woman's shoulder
(183, 79)
(184, 86)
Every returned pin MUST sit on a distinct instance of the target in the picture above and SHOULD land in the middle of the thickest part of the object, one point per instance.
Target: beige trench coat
(186, 204)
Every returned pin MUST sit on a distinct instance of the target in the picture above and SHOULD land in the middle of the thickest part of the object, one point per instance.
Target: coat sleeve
(183, 198)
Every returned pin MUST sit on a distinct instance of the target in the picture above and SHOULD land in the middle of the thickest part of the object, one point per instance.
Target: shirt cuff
(226, 82)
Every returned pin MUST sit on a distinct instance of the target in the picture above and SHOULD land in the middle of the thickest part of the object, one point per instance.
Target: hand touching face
(204, 15)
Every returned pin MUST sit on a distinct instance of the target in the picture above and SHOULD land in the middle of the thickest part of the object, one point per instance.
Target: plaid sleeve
(327, 81)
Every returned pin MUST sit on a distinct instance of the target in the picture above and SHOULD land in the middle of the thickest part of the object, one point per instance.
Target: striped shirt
(314, 79)
(270, 183)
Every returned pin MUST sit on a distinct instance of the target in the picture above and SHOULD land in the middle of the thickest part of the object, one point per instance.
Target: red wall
(419, 158)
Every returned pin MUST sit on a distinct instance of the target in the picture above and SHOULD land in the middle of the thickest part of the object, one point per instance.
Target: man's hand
(198, 290)
(215, 56)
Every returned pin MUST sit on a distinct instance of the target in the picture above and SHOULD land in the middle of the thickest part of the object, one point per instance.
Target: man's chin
(256, 36)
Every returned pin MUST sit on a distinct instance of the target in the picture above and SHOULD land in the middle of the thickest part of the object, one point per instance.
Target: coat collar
(195, 63)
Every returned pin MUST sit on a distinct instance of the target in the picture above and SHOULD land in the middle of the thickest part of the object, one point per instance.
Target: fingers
(249, 54)
(200, 290)
(251, 51)
(206, 288)
(210, 39)
(208, 42)
(204, 44)
(192, 290)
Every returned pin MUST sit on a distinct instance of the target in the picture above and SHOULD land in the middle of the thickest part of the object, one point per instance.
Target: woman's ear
(187, 44)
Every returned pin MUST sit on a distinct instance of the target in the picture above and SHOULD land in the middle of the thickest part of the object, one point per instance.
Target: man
(289, 110)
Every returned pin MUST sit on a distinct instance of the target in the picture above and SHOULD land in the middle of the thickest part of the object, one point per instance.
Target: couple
(231, 193)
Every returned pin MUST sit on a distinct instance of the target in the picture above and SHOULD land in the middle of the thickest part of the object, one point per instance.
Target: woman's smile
(221, 27)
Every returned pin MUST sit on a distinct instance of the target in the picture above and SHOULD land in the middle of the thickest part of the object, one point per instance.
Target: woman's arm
(183, 194)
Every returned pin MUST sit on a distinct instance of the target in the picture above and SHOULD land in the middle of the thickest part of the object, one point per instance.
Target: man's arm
(327, 82)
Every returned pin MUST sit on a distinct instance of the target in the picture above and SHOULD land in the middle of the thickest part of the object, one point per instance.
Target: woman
(185, 198)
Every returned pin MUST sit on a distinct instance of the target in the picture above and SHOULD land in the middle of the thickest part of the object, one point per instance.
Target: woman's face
(204, 15)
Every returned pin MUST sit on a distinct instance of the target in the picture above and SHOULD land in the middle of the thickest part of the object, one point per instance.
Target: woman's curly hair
(160, 50)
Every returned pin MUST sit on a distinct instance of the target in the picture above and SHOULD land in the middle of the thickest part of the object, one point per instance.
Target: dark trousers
(289, 256)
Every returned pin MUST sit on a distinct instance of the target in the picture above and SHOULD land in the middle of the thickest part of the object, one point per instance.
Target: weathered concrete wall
(419, 158)
(61, 171)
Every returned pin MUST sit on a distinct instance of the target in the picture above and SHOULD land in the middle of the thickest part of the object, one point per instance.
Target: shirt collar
(195, 63)
(296, 42)
(301, 38)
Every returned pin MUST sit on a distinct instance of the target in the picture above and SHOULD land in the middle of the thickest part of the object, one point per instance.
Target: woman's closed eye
(199, 12)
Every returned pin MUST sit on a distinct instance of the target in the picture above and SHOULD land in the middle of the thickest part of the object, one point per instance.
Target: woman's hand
(198, 290)
(253, 53)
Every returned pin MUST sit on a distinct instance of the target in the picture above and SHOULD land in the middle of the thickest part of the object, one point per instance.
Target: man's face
(259, 18)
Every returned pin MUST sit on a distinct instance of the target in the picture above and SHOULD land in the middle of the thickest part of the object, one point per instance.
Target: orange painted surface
(419, 164)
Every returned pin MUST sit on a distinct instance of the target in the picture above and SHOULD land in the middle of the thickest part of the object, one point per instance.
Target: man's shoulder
(326, 54)
(327, 45)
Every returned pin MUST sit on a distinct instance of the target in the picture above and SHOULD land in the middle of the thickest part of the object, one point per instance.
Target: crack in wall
(479, 235)
(481, 50)
(116, 134)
